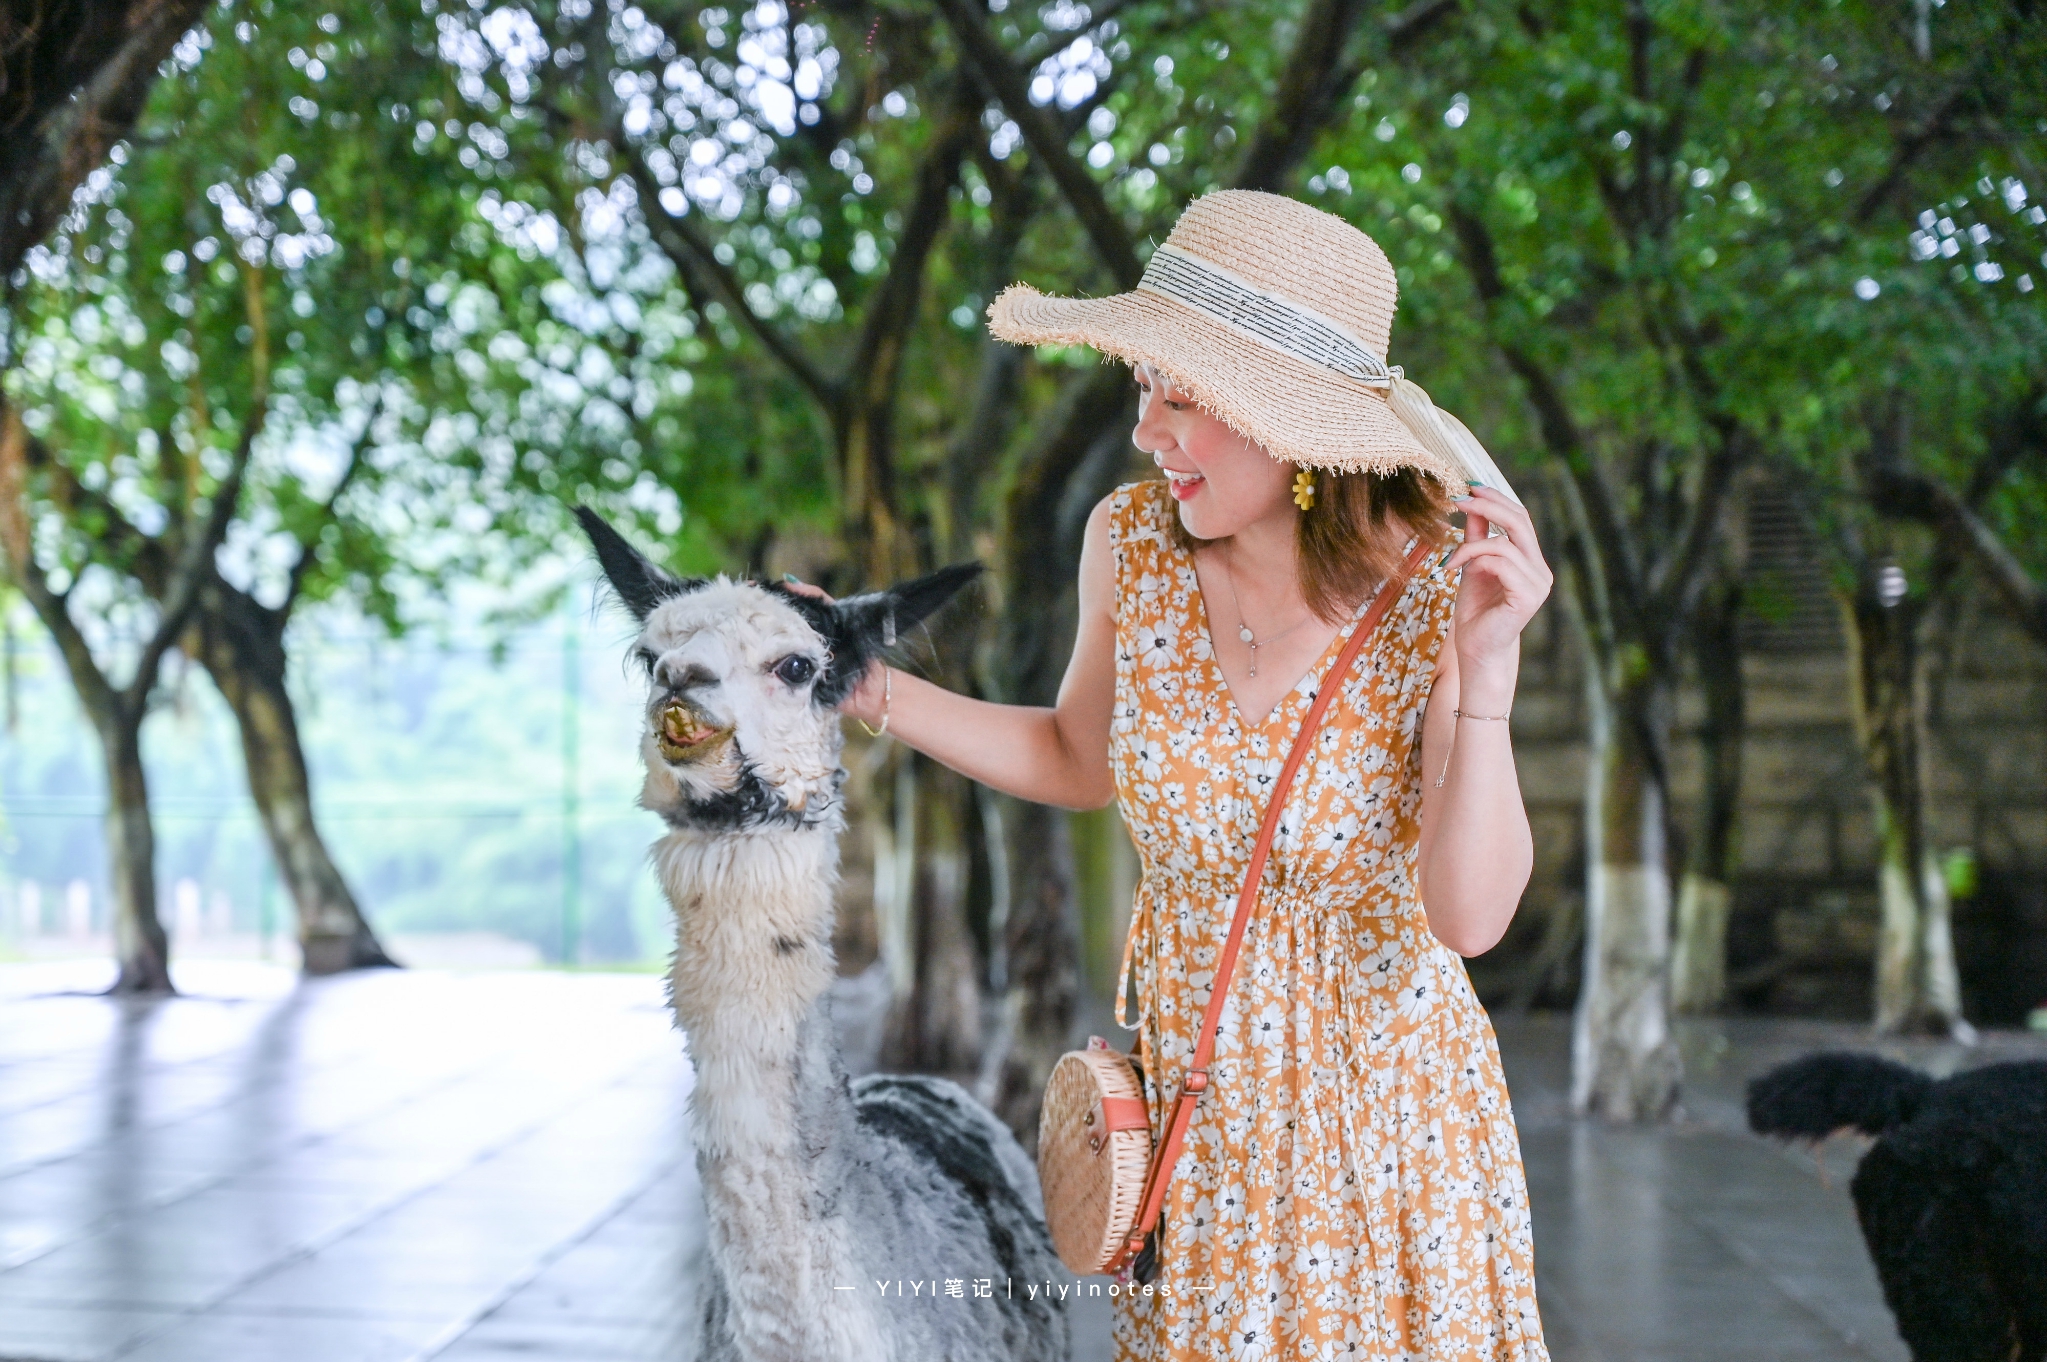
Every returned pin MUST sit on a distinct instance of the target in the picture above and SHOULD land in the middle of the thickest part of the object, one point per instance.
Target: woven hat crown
(1313, 258)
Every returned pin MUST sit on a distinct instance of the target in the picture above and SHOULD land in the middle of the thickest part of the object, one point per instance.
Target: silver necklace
(1244, 629)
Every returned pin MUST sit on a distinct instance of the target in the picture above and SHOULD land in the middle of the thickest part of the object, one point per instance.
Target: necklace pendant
(1244, 632)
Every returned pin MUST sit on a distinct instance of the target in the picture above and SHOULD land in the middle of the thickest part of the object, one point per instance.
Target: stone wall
(1803, 935)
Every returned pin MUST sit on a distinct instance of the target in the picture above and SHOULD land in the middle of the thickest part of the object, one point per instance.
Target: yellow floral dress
(1351, 1186)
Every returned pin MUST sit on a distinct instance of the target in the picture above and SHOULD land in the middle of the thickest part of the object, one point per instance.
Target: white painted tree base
(1624, 1065)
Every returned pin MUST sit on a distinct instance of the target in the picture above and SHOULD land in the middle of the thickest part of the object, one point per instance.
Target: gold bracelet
(887, 677)
(1460, 714)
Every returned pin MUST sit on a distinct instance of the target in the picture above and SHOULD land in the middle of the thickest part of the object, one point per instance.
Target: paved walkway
(412, 1165)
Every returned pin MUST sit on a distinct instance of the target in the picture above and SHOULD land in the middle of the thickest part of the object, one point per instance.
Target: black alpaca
(1952, 1197)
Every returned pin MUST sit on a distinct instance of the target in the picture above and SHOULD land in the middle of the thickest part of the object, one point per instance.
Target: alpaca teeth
(682, 731)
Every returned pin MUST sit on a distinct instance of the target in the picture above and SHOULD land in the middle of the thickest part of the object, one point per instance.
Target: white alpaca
(818, 1191)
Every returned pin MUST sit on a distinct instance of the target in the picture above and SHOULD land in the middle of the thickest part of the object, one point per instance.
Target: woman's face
(1222, 481)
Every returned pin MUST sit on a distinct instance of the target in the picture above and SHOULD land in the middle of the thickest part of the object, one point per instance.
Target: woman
(1352, 1182)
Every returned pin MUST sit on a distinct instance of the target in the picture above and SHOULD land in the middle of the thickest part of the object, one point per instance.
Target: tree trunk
(934, 1022)
(1698, 964)
(141, 951)
(934, 1025)
(140, 948)
(1041, 964)
(241, 645)
(1045, 517)
(1917, 988)
(1698, 973)
(1624, 1064)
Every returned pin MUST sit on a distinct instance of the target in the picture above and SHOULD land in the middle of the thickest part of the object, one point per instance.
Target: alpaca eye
(796, 670)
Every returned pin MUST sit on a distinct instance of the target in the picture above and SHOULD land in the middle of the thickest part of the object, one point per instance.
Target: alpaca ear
(918, 600)
(861, 628)
(639, 584)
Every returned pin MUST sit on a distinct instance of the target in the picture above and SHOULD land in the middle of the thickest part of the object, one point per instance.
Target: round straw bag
(1094, 1144)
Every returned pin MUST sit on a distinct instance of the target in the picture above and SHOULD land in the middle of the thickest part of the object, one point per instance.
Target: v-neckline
(1315, 668)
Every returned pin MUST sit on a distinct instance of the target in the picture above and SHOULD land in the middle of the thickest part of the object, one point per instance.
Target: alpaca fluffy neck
(770, 1112)
(753, 963)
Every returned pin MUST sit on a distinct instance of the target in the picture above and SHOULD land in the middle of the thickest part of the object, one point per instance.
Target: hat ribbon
(1284, 325)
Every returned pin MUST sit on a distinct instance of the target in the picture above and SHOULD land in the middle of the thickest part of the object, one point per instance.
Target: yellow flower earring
(1304, 490)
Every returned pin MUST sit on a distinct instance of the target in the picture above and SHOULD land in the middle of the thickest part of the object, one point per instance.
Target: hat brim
(1299, 412)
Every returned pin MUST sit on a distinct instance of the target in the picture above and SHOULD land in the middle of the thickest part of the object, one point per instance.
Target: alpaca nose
(676, 676)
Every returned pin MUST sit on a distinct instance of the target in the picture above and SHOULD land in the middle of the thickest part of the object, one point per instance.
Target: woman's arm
(1476, 850)
(1049, 756)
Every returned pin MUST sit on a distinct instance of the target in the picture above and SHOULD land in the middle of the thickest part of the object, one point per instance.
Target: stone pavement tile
(461, 1122)
(669, 1200)
(608, 1138)
(1092, 1320)
(407, 1268)
(222, 1336)
(71, 1027)
(578, 1341)
(1829, 1284)
(641, 1279)
(61, 1333)
(56, 1203)
(29, 1083)
(622, 1271)
(186, 1253)
(1691, 1239)
(451, 1251)
(1638, 1277)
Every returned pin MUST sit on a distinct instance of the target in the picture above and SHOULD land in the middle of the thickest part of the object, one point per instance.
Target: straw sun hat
(1274, 317)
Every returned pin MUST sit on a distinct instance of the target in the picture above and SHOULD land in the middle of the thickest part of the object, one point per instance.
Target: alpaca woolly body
(815, 1188)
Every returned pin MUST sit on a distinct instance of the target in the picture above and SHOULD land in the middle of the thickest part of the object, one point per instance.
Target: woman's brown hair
(1352, 538)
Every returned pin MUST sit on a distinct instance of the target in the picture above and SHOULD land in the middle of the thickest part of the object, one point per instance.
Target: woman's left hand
(1505, 581)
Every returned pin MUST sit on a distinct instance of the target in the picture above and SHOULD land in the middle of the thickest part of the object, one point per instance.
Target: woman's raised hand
(1505, 582)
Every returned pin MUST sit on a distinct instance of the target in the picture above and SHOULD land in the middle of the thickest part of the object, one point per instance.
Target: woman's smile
(1183, 485)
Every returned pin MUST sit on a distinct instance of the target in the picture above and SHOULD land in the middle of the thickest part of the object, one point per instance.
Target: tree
(1945, 390)
(242, 368)
(1903, 543)
(1667, 224)
(117, 709)
(76, 76)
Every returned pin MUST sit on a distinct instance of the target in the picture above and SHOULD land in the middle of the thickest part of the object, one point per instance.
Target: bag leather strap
(1158, 1174)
